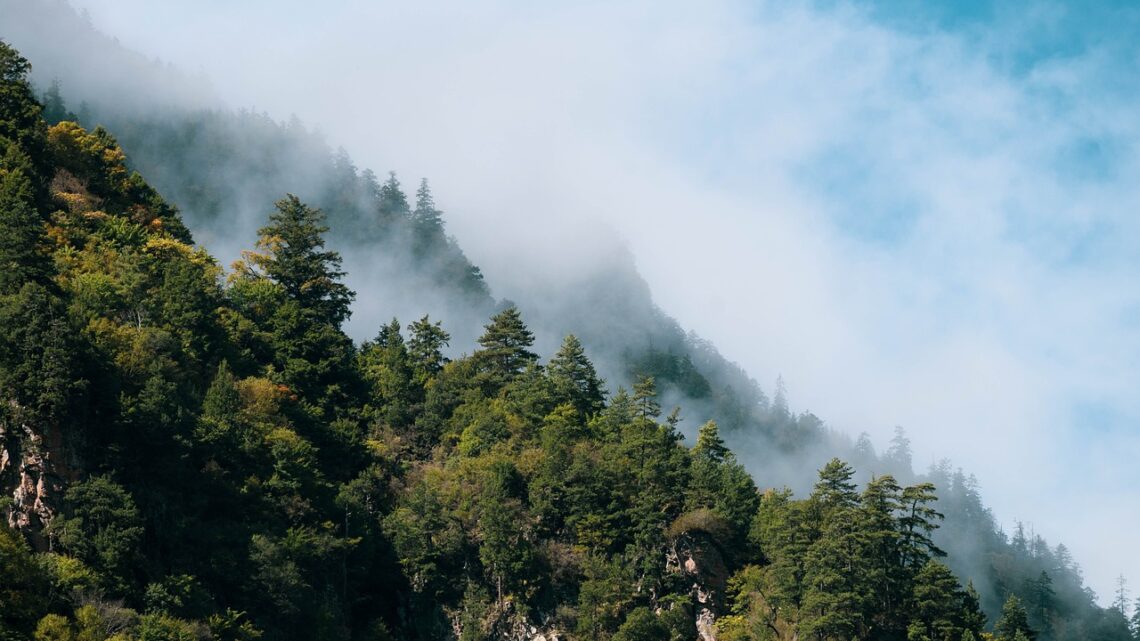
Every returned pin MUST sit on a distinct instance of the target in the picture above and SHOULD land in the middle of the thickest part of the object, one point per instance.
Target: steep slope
(194, 151)
(237, 468)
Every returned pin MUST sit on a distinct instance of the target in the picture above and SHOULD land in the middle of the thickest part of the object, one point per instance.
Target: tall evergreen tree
(292, 255)
(574, 379)
(23, 257)
(21, 121)
(1013, 621)
(392, 202)
(425, 349)
(505, 345)
(425, 215)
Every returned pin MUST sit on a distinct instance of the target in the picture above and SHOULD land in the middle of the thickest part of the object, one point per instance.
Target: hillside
(309, 451)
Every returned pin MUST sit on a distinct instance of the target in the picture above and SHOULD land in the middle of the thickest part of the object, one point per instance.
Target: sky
(918, 213)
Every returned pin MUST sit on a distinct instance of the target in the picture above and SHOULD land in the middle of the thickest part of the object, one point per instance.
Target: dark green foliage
(1014, 621)
(102, 527)
(641, 625)
(505, 347)
(21, 122)
(23, 258)
(38, 354)
(295, 259)
(21, 589)
(574, 380)
(425, 349)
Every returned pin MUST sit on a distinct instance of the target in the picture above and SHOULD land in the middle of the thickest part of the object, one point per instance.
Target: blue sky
(920, 213)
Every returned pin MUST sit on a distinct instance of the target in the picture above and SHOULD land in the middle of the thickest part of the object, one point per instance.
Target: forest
(196, 452)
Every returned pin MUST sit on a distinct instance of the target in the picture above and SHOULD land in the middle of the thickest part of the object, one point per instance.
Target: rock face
(697, 557)
(34, 473)
(505, 623)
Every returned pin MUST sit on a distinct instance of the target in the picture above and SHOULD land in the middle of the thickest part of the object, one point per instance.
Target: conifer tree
(834, 489)
(645, 398)
(505, 344)
(425, 215)
(292, 255)
(710, 445)
(425, 349)
(392, 203)
(22, 255)
(1014, 621)
(21, 121)
(574, 379)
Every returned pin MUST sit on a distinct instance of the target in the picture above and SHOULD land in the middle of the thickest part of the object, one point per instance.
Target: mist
(922, 222)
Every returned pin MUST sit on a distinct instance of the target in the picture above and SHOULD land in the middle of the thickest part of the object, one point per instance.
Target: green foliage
(101, 527)
(504, 346)
(293, 256)
(23, 584)
(574, 380)
(641, 625)
(23, 256)
(1014, 622)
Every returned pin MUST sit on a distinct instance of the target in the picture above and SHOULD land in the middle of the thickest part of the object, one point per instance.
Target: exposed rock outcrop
(34, 473)
(696, 556)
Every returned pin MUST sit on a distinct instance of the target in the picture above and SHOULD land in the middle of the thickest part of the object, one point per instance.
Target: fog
(927, 223)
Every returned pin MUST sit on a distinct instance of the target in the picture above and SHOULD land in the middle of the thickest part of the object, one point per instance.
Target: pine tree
(710, 445)
(574, 379)
(425, 349)
(387, 368)
(22, 255)
(834, 490)
(899, 453)
(936, 601)
(917, 522)
(392, 203)
(1013, 621)
(425, 215)
(20, 119)
(292, 255)
(505, 344)
(645, 398)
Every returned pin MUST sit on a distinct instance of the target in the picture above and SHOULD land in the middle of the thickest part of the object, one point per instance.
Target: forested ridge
(195, 452)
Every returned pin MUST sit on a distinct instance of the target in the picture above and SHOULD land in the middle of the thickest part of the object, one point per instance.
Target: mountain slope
(185, 147)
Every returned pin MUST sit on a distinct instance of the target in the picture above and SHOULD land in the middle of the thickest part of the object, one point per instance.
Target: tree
(899, 452)
(917, 523)
(503, 547)
(574, 379)
(710, 445)
(39, 354)
(834, 490)
(645, 398)
(386, 367)
(425, 214)
(22, 253)
(292, 255)
(23, 585)
(937, 602)
(291, 290)
(1013, 621)
(641, 625)
(21, 121)
(101, 526)
(425, 349)
(392, 203)
(1134, 623)
(505, 344)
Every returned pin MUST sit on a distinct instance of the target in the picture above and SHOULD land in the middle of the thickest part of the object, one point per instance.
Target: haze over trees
(194, 452)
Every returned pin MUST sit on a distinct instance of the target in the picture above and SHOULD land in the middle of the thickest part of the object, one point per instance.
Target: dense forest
(194, 452)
